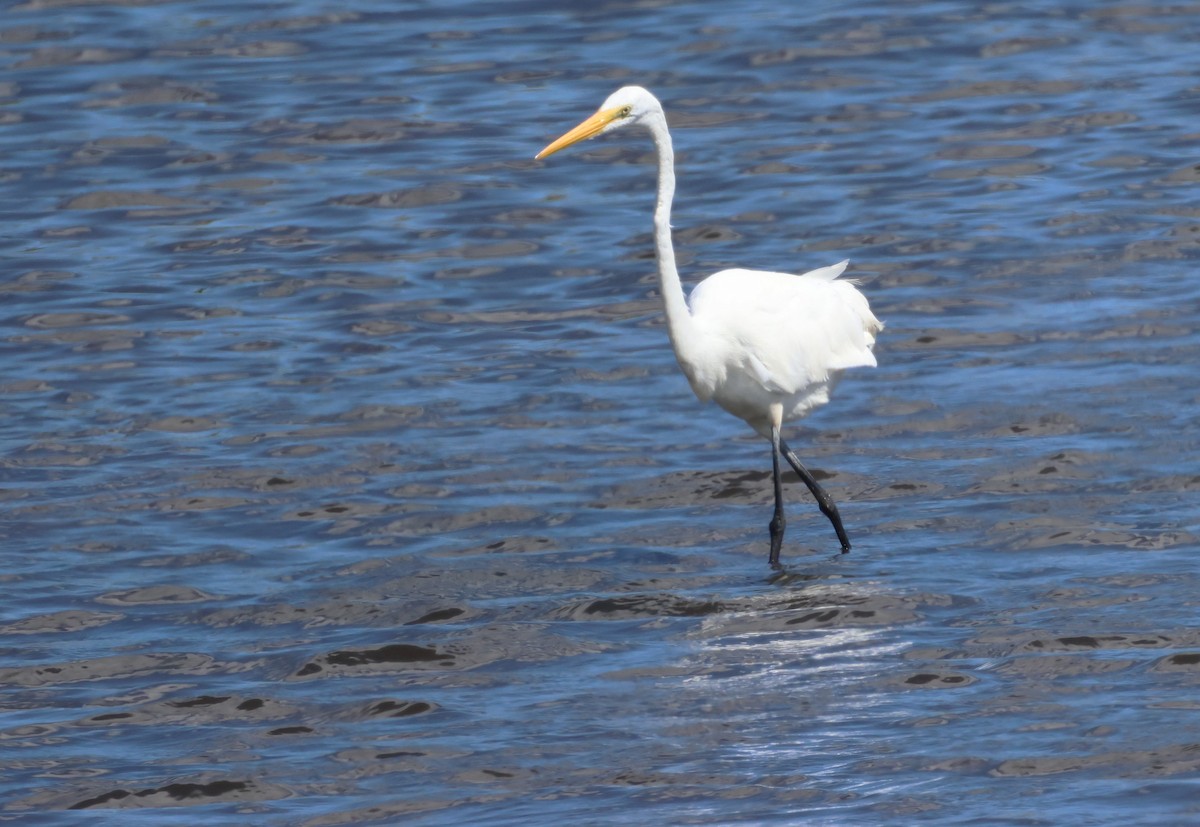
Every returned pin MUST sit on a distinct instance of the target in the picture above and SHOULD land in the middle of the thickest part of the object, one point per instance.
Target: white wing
(827, 273)
(787, 332)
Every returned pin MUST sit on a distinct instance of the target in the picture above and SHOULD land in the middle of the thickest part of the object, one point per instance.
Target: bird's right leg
(824, 501)
(778, 522)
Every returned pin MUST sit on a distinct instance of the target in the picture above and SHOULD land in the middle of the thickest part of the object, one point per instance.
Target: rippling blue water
(349, 477)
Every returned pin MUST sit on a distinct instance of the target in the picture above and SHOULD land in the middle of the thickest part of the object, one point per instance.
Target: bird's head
(627, 106)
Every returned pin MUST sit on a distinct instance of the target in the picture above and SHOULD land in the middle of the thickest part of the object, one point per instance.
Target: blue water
(349, 477)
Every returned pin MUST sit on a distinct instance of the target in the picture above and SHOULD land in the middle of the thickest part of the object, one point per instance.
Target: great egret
(765, 346)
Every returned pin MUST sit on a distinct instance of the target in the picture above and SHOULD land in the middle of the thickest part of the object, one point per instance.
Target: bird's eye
(625, 112)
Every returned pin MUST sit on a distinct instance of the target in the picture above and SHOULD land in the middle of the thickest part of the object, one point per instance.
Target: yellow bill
(585, 130)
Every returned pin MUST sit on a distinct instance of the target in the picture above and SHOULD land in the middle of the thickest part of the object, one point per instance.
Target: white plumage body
(767, 337)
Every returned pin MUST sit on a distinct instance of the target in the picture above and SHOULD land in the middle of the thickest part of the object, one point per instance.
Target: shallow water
(349, 477)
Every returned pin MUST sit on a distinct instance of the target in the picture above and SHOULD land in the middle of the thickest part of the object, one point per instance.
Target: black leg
(824, 501)
(778, 522)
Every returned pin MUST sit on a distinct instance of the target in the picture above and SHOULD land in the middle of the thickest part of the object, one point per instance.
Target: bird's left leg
(778, 522)
(824, 501)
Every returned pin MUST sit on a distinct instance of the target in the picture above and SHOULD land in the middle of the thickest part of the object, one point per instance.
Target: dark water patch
(57, 320)
(182, 793)
(437, 616)
(1064, 666)
(471, 650)
(1056, 424)
(919, 489)
(114, 667)
(708, 233)
(1174, 759)
(939, 680)
(419, 525)
(1172, 483)
(400, 199)
(221, 47)
(1000, 88)
(508, 545)
(164, 594)
(1018, 45)
(292, 730)
(353, 663)
(1051, 532)
(1188, 662)
(637, 606)
(183, 424)
(396, 653)
(985, 152)
(150, 92)
(314, 615)
(89, 340)
(1095, 643)
(58, 454)
(846, 48)
(26, 386)
(48, 56)
(383, 130)
(1060, 472)
(615, 311)
(37, 281)
(66, 621)
(391, 812)
(943, 339)
(1183, 176)
(202, 710)
(390, 595)
(149, 204)
(305, 22)
(399, 709)
(189, 503)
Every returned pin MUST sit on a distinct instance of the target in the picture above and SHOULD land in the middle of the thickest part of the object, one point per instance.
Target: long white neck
(680, 325)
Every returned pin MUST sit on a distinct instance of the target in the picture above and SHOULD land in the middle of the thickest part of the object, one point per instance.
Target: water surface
(349, 478)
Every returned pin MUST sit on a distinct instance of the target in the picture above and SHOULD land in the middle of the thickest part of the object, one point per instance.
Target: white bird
(765, 346)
